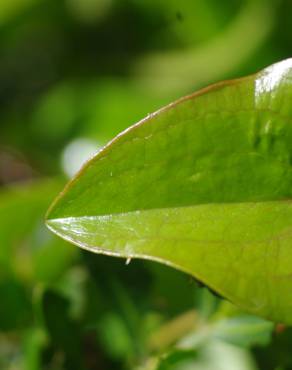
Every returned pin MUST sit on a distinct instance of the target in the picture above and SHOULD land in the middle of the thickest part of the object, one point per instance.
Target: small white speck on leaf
(128, 260)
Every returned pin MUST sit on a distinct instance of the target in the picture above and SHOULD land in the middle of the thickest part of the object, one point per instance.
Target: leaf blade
(201, 185)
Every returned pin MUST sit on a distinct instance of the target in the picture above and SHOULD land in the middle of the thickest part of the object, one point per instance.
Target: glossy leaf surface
(203, 185)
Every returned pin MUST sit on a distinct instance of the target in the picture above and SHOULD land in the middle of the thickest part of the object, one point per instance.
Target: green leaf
(34, 341)
(28, 250)
(241, 330)
(244, 331)
(215, 355)
(23, 206)
(178, 360)
(203, 185)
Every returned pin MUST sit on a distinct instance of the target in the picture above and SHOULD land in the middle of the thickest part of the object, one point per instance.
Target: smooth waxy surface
(204, 185)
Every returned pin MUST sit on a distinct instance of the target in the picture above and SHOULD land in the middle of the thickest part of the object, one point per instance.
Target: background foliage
(73, 73)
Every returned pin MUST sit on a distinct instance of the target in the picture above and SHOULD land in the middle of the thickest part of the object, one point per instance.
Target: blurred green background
(73, 74)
